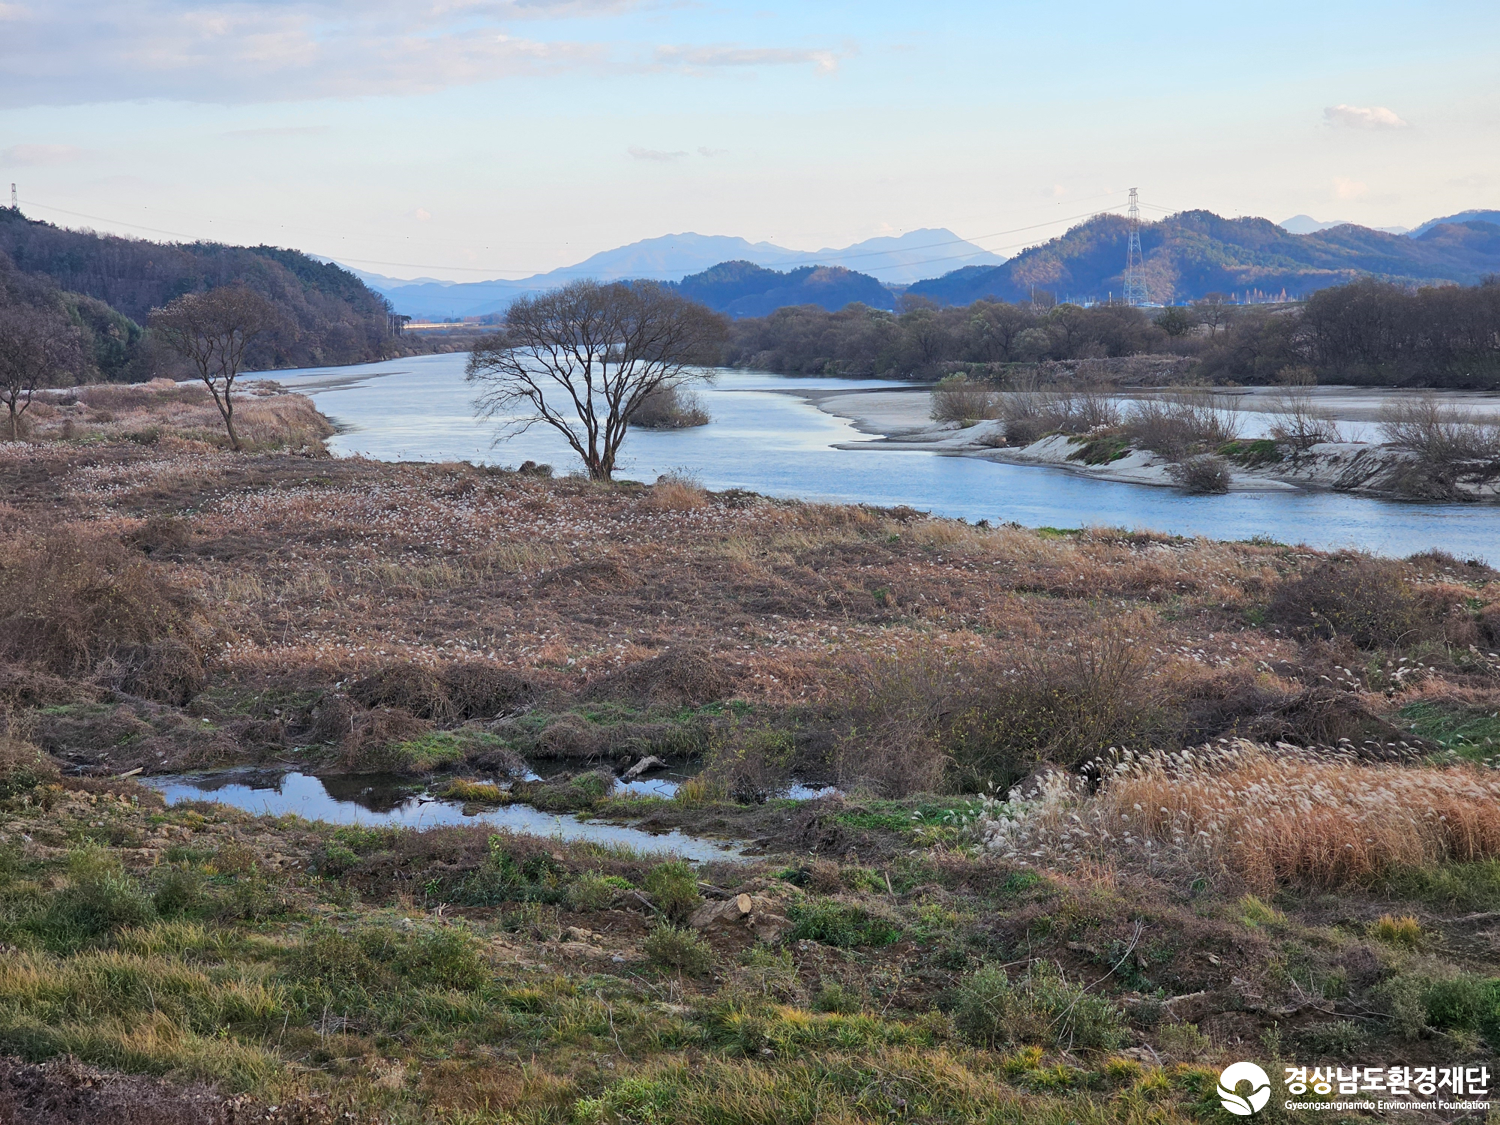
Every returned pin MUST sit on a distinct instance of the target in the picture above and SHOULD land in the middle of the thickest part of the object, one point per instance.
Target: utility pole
(14, 206)
(1136, 293)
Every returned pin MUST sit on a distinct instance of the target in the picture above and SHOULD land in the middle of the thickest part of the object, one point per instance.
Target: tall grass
(1265, 815)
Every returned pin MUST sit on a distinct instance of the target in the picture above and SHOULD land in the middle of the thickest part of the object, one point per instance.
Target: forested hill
(744, 289)
(330, 316)
(1195, 253)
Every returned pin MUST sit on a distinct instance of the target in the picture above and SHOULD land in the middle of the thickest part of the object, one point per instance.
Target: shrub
(1439, 434)
(673, 888)
(1041, 1008)
(669, 408)
(957, 398)
(1203, 475)
(1181, 425)
(679, 950)
(72, 603)
(179, 890)
(595, 891)
(1064, 709)
(1370, 601)
(834, 997)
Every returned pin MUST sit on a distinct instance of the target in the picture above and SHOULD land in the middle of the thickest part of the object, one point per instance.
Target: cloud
(718, 57)
(655, 154)
(704, 150)
(223, 52)
(1362, 117)
(277, 131)
(226, 52)
(421, 214)
(40, 156)
(1345, 188)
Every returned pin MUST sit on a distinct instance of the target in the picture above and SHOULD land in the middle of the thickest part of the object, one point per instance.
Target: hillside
(1461, 217)
(1196, 252)
(331, 316)
(743, 289)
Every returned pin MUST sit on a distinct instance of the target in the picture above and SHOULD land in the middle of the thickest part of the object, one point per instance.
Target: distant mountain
(892, 260)
(1196, 252)
(744, 289)
(1461, 217)
(1306, 224)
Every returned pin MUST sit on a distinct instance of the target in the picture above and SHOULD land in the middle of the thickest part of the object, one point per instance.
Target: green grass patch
(1260, 451)
(1101, 450)
(841, 924)
(1470, 733)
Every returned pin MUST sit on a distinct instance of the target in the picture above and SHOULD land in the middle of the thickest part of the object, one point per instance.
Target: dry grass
(1264, 815)
(181, 416)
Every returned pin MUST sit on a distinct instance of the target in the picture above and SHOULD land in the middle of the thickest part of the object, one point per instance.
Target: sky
(474, 139)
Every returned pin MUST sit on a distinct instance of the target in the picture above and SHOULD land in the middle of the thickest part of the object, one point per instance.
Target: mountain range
(1197, 252)
(890, 260)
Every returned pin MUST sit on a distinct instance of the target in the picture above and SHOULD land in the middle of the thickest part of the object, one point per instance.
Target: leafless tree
(37, 346)
(213, 330)
(582, 359)
(1439, 432)
(1297, 418)
(1215, 312)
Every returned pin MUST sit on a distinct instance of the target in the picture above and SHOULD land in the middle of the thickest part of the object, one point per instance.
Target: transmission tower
(1136, 293)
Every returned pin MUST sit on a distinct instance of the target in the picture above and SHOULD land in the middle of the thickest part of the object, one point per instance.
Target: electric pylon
(1136, 293)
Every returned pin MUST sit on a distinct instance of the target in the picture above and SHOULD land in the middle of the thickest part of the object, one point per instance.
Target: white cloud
(704, 150)
(72, 52)
(655, 154)
(275, 131)
(720, 56)
(1363, 117)
(421, 214)
(38, 156)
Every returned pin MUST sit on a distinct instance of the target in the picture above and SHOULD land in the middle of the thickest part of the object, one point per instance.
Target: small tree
(599, 351)
(213, 330)
(36, 346)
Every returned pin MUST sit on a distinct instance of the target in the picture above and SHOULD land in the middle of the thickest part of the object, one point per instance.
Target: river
(768, 441)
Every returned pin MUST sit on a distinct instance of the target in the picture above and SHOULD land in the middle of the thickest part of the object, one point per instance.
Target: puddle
(384, 801)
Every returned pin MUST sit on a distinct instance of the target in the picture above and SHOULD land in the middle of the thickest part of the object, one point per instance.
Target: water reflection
(389, 802)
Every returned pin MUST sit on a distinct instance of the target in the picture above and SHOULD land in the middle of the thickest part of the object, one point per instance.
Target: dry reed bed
(1262, 815)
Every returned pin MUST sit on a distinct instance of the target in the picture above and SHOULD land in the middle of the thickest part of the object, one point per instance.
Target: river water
(378, 801)
(777, 444)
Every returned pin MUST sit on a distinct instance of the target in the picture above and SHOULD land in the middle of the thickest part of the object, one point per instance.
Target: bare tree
(1215, 312)
(36, 346)
(582, 359)
(213, 331)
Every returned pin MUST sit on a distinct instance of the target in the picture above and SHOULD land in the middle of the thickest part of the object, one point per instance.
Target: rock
(577, 933)
(648, 763)
(741, 911)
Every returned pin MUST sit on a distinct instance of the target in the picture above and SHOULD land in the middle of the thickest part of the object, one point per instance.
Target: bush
(1179, 426)
(1405, 931)
(1203, 475)
(680, 950)
(1042, 1008)
(956, 398)
(1439, 434)
(595, 891)
(75, 604)
(673, 888)
(669, 408)
(1065, 710)
(1370, 601)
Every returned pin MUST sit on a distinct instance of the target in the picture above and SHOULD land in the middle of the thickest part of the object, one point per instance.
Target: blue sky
(481, 138)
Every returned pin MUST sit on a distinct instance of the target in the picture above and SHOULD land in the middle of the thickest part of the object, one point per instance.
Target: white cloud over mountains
(71, 52)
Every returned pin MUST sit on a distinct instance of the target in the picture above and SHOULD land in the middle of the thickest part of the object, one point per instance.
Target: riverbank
(891, 950)
(902, 420)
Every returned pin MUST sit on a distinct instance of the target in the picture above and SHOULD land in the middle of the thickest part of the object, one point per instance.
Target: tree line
(1366, 332)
